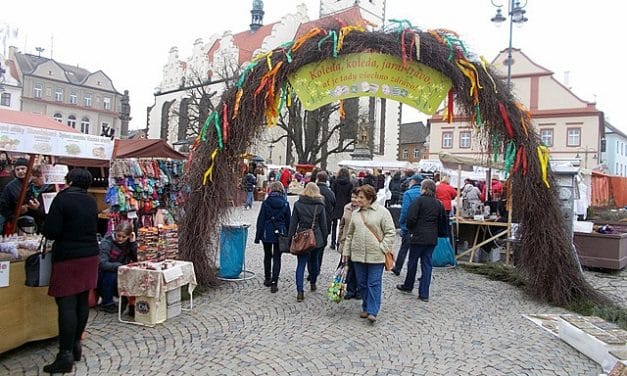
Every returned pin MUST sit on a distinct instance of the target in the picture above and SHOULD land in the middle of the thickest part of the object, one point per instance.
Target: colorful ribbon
(208, 175)
(543, 157)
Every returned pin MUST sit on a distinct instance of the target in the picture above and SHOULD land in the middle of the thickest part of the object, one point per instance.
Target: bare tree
(199, 102)
(312, 137)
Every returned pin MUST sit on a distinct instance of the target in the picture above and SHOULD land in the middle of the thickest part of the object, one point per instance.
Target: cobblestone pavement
(470, 326)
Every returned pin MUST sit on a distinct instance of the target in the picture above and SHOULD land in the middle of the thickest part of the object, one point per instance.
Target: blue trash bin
(232, 248)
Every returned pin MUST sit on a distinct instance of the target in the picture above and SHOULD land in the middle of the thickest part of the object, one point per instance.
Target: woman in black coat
(309, 211)
(423, 220)
(72, 223)
(273, 219)
(342, 188)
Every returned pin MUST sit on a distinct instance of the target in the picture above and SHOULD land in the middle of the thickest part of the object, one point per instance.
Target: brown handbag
(389, 255)
(304, 241)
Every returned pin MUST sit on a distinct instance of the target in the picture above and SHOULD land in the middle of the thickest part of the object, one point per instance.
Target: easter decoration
(450, 72)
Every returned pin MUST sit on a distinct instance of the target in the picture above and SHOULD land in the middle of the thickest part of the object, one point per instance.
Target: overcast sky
(130, 40)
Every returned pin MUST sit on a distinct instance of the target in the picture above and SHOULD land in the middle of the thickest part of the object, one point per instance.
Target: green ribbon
(250, 66)
(478, 112)
(216, 123)
(330, 34)
(205, 127)
(510, 157)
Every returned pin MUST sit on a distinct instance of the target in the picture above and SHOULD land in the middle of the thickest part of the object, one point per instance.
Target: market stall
(487, 228)
(29, 313)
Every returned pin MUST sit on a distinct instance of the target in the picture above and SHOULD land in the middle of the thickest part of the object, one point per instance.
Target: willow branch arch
(502, 125)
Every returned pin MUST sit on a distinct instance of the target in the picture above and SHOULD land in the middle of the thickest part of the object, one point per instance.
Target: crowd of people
(344, 213)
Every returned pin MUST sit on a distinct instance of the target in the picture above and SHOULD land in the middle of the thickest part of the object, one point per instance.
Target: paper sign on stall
(172, 273)
(5, 270)
(48, 197)
(54, 174)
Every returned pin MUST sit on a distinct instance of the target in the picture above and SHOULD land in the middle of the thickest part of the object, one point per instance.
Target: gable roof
(75, 75)
(33, 120)
(615, 130)
(413, 133)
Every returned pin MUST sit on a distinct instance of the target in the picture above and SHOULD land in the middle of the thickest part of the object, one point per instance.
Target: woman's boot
(62, 364)
(77, 351)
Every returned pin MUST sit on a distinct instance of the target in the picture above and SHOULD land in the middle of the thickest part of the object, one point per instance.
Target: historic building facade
(86, 101)
(221, 55)
(569, 126)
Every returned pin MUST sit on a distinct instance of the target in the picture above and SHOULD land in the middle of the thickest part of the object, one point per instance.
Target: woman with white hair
(423, 220)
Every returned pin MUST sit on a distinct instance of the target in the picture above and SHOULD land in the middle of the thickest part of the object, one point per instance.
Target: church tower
(371, 10)
(256, 15)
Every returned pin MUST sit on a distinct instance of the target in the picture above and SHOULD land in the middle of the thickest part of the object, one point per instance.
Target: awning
(453, 162)
(382, 164)
(23, 132)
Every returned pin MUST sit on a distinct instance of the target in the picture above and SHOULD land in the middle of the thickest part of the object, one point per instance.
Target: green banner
(370, 74)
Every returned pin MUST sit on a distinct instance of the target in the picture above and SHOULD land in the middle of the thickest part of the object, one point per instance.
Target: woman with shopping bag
(308, 215)
(370, 236)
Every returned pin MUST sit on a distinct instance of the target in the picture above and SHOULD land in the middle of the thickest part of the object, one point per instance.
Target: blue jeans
(107, 286)
(311, 261)
(249, 200)
(422, 253)
(369, 278)
(402, 252)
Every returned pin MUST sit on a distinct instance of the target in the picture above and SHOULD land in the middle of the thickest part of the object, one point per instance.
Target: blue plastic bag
(444, 254)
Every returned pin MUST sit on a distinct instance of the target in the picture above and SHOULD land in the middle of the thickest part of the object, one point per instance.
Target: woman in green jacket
(370, 234)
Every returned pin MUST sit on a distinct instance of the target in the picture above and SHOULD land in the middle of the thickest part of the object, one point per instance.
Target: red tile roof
(33, 120)
(248, 41)
(350, 16)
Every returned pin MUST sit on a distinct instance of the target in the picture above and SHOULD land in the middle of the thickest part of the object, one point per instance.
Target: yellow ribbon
(209, 172)
(484, 65)
(543, 157)
(344, 32)
(525, 117)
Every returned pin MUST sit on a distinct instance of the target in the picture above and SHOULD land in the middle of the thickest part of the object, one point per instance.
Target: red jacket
(286, 178)
(445, 193)
(497, 190)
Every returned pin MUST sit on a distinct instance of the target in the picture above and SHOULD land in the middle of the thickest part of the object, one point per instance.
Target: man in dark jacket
(342, 189)
(423, 221)
(409, 196)
(250, 182)
(11, 193)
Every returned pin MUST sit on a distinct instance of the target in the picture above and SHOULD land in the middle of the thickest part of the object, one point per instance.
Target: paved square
(470, 326)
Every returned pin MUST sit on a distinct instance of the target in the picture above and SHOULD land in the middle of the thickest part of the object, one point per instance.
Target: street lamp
(516, 14)
(270, 147)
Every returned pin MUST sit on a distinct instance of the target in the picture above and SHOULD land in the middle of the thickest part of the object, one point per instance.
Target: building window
(573, 137)
(58, 117)
(447, 140)
(71, 121)
(416, 153)
(464, 140)
(88, 100)
(5, 99)
(405, 154)
(38, 90)
(547, 137)
(58, 94)
(106, 101)
(73, 98)
(85, 125)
